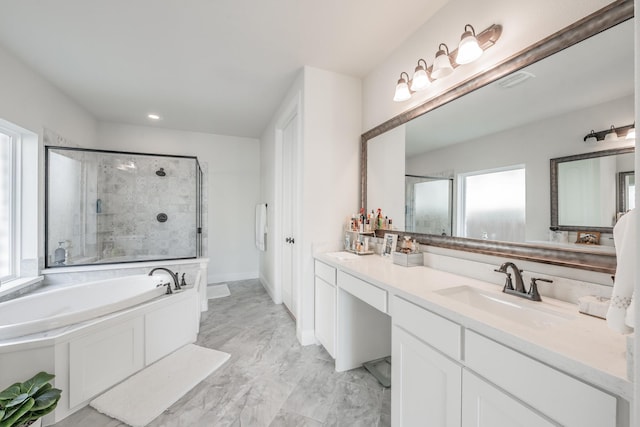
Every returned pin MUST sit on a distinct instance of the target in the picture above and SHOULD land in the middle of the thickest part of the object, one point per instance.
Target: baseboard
(230, 277)
(306, 337)
(270, 290)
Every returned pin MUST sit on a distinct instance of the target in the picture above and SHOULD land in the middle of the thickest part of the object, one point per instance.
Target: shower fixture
(161, 172)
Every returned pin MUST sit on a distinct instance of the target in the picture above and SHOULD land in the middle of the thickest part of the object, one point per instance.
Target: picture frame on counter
(390, 243)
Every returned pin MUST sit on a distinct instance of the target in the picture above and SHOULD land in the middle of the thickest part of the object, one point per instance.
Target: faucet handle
(533, 288)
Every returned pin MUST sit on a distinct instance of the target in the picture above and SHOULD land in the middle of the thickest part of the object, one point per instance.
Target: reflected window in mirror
(428, 205)
(626, 191)
(493, 204)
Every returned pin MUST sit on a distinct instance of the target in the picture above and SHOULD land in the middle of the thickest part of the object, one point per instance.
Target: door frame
(292, 109)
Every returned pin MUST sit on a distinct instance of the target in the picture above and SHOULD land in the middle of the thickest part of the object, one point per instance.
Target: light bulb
(420, 79)
(468, 50)
(402, 89)
(442, 64)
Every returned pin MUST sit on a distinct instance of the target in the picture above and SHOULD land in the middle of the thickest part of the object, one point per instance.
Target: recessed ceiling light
(153, 116)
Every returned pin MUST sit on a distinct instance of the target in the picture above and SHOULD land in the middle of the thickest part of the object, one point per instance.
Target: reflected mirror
(111, 207)
(519, 121)
(583, 190)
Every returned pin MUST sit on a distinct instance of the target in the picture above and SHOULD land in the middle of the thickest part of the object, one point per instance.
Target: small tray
(361, 253)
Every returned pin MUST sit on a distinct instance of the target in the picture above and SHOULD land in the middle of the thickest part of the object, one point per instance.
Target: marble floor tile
(270, 380)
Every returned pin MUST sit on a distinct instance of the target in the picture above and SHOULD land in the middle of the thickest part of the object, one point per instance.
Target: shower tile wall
(131, 196)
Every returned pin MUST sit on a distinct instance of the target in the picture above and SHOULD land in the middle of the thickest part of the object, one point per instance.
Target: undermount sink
(512, 308)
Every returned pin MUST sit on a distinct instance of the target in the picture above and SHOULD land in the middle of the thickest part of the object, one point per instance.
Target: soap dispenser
(60, 254)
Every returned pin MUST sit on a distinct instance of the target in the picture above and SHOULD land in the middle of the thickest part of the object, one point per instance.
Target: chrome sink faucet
(519, 289)
(174, 276)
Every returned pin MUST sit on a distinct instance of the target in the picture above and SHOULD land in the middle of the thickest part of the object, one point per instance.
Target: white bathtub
(43, 311)
(93, 335)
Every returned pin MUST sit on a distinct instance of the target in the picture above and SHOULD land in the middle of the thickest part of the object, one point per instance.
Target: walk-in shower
(111, 207)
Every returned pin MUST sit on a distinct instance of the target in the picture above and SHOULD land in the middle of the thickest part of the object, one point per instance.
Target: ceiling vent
(514, 79)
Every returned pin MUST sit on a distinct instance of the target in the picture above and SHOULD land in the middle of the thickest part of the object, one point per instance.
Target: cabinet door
(483, 405)
(325, 315)
(426, 385)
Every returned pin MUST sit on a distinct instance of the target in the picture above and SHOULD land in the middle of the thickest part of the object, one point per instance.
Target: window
(7, 205)
(493, 204)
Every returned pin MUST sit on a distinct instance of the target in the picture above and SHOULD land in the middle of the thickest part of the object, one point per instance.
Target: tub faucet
(508, 285)
(174, 276)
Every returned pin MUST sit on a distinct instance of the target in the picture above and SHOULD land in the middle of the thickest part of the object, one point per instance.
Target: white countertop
(582, 346)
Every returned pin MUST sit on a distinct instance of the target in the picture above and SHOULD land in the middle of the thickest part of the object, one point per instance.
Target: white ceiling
(595, 71)
(217, 66)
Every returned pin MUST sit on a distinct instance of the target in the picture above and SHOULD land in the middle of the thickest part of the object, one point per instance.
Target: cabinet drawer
(440, 333)
(364, 291)
(325, 272)
(560, 397)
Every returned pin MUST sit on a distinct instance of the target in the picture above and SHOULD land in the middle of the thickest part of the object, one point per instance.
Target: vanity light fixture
(468, 50)
(591, 138)
(420, 79)
(153, 116)
(611, 134)
(444, 63)
(442, 66)
(402, 88)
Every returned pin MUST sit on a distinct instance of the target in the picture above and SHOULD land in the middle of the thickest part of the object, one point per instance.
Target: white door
(426, 385)
(289, 201)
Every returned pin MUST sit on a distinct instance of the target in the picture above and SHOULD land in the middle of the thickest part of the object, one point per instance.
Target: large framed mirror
(477, 130)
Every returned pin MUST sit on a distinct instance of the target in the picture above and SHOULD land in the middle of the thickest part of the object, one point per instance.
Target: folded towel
(261, 226)
(620, 316)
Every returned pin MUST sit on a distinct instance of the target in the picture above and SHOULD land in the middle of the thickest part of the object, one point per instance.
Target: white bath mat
(141, 398)
(217, 291)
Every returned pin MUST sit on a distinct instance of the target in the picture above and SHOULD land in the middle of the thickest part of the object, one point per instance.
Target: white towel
(621, 316)
(261, 226)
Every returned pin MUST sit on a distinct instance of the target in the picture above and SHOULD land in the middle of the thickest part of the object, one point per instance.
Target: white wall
(32, 103)
(232, 166)
(536, 143)
(331, 106)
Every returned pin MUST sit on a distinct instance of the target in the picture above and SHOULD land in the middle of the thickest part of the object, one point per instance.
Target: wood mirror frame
(601, 20)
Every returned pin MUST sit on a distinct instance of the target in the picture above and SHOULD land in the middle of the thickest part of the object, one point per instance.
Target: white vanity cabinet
(484, 405)
(543, 390)
(435, 382)
(426, 384)
(325, 306)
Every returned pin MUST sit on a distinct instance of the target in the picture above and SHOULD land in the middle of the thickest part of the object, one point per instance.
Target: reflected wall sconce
(470, 49)
(611, 135)
(631, 133)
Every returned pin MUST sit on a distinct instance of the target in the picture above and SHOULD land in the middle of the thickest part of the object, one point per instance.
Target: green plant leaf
(46, 399)
(32, 385)
(10, 392)
(17, 400)
(42, 389)
(38, 414)
(2, 412)
(8, 422)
